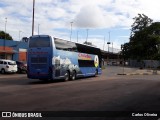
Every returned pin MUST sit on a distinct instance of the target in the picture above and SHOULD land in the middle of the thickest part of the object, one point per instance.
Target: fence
(144, 63)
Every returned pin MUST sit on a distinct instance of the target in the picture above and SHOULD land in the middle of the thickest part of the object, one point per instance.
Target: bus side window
(65, 45)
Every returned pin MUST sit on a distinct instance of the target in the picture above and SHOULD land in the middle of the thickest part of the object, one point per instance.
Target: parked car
(21, 66)
(8, 66)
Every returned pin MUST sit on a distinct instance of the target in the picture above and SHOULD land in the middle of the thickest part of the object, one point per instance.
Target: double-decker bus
(52, 58)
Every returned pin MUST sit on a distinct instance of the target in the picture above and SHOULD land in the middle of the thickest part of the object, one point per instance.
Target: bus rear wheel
(74, 75)
(66, 76)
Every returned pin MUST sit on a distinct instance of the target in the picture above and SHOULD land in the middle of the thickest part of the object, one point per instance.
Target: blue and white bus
(52, 58)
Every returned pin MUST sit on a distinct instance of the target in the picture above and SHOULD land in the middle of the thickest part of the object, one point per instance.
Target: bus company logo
(96, 61)
(84, 56)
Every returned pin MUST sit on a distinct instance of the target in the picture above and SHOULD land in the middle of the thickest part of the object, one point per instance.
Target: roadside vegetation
(6, 36)
(144, 41)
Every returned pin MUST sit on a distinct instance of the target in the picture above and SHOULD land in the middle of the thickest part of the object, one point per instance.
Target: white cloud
(150, 8)
(92, 17)
(53, 14)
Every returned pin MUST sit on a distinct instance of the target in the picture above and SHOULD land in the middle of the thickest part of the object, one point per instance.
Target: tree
(125, 50)
(144, 40)
(153, 41)
(6, 36)
(141, 22)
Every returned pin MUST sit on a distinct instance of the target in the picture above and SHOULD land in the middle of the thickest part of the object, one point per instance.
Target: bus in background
(52, 58)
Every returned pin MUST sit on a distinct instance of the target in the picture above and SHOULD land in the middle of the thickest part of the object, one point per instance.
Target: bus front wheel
(66, 76)
(96, 72)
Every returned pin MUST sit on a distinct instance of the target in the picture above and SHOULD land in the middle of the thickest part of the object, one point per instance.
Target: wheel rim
(66, 76)
(74, 76)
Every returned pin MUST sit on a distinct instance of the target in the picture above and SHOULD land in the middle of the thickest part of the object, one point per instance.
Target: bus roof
(76, 42)
(63, 40)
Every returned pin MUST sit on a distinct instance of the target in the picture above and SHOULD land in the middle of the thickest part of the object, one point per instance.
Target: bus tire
(96, 72)
(66, 76)
(74, 75)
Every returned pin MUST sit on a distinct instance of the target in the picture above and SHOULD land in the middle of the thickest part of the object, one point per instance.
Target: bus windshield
(39, 41)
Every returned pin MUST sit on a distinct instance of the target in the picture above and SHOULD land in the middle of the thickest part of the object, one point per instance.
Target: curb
(142, 74)
(137, 74)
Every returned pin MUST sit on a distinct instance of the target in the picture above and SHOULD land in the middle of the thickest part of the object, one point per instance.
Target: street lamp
(5, 39)
(71, 31)
(108, 41)
(112, 47)
(20, 34)
(77, 36)
(108, 45)
(38, 29)
(104, 43)
(5, 27)
(87, 35)
(122, 48)
(108, 49)
(33, 18)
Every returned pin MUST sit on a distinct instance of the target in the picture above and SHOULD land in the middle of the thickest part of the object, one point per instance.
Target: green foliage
(141, 22)
(4, 35)
(144, 40)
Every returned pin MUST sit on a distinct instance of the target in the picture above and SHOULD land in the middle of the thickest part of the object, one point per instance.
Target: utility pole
(108, 41)
(71, 31)
(77, 36)
(33, 18)
(5, 27)
(112, 47)
(38, 29)
(20, 34)
(108, 45)
(104, 43)
(5, 39)
(87, 36)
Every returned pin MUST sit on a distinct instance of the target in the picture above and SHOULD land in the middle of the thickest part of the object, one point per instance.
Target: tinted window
(89, 50)
(18, 63)
(39, 60)
(5, 63)
(1, 62)
(11, 63)
(40, 41)
(86, 63)
(65, 45)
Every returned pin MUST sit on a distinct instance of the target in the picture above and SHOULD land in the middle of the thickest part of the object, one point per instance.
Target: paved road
(108, 92)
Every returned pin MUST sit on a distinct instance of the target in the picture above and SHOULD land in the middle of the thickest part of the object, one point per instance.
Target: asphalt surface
(107, 92)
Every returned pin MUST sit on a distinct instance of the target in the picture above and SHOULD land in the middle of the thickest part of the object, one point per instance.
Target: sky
(97, 21)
